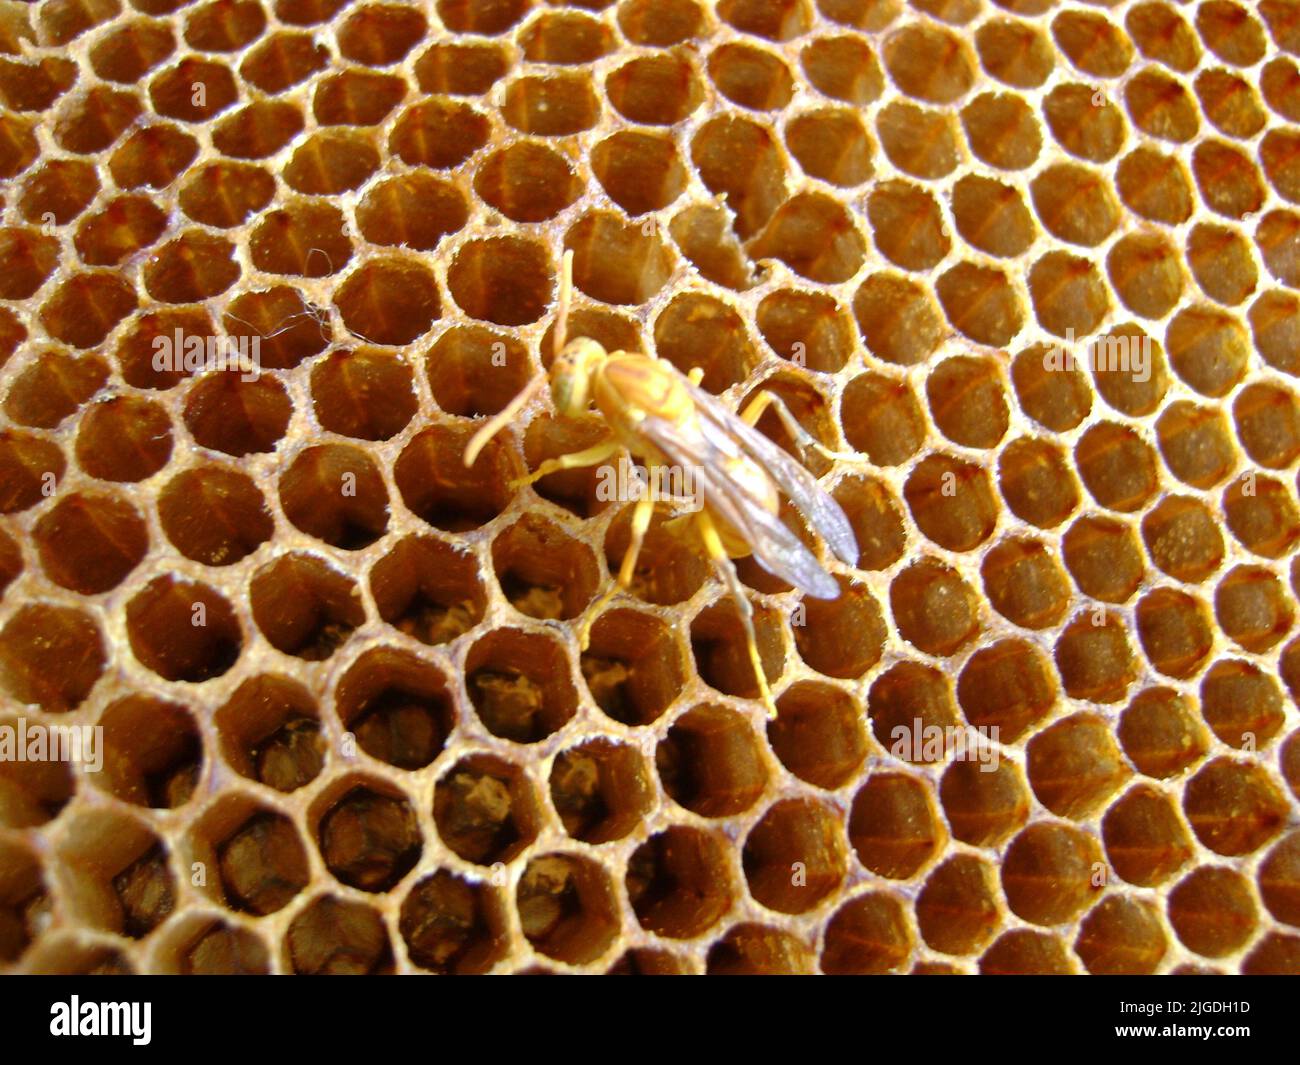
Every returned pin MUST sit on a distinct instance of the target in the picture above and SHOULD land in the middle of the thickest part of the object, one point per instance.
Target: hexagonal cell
(208, 947)
(966, 401)
(306, 239)
(284, 327)
(1252, 608)
(428, 590)
(904, 702)
(1006, 686)
(933, 608)
(1242, 704)
(1016, 53)
(741, 159)
(357, 98)
(367, 833)
(1183, 538)
(757, 950)
(831, 145)
(818, 735)
(214, 515)
(1037, 482)
(992, 216)
(32, 467)
(876, 519)
(436, 486)
(809, 329)
(1074, 766)
(1049, 873)
(486, 809)
(225, 413)
(52, 387)
(893, 825)
(1094, 658)
(1175, 631)
(815, 236)
(630, 668)
(957, 909)
(1146, 272)
(335, 493)
(115, 873)
(721, 650)
(1161, 733)
(867, 935)
(679, 882)
(1276, 955)
(882, 418)
(153, 753)
(984, 802)
(567, 908)
(1002, 130)
(526, 182)
(270, 732)
(454, 925)
(338, 937)
(543, 572)
(558, 105)
(1262, 515)
(183, 630)
(842, 637)
(1267, 418)
(711, 762)
(795, 857)
(365, 394)
(90, 543)
(1075, 204)
(1116, 466)
(398, 706)
(1025, 584)
(1146, 842)
(1025, 952)
(951, 502)
(617, 262)
(1212, 910)
(391, 300)
(1121, 936)
(380, 34)
(1221, 261)
(50, 656)
(1234, 807)
(520, 685)
(601, 790)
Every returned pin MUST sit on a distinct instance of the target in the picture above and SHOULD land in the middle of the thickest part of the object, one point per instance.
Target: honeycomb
(346, 724)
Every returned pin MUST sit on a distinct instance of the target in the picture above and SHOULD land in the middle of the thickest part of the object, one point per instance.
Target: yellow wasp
(666, 420)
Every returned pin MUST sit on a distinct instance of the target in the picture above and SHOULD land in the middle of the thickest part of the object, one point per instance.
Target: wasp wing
(775, 547)
(825, 515)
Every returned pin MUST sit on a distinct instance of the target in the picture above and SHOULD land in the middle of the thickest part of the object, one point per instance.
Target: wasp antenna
(565, 298)
(498, 421)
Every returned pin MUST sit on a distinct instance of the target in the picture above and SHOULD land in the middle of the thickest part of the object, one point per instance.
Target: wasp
(663, 418)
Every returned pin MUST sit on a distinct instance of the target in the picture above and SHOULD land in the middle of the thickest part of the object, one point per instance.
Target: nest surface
(346, 724)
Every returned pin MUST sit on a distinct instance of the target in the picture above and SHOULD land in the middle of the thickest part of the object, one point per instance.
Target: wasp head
(571, 375)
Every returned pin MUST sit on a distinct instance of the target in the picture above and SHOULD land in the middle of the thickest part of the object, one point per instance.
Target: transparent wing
(774, 546)
(825, 515)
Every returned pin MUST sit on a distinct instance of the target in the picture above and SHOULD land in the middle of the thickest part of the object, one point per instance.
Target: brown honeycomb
(347, 726)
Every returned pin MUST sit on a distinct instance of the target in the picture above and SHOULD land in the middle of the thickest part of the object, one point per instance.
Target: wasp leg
(718, 553)
(574, 460)
(802, 437)
(645, 509)
(696, 376)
